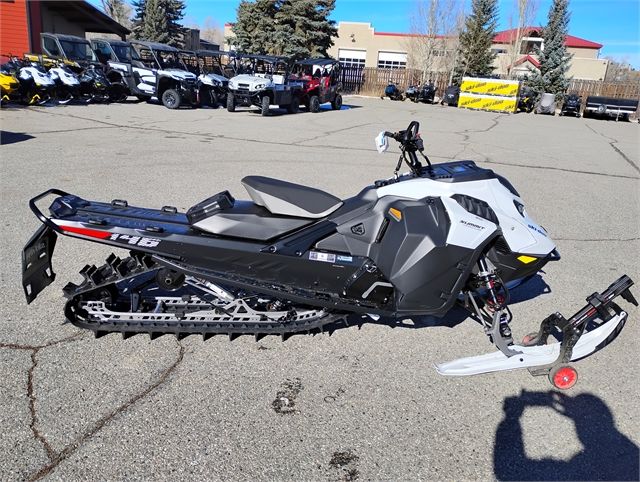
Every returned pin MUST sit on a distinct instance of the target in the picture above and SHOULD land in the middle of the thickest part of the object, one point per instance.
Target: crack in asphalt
(464, 134)
(35, 349)
(57, 458)
(612, 142)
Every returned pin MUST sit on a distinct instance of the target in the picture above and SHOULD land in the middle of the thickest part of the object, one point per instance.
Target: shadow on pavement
(607, 454)
(8, 137)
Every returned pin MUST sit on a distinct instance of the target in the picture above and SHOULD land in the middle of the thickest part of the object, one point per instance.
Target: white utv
(148, 69)
(264, 81)
(213, 69)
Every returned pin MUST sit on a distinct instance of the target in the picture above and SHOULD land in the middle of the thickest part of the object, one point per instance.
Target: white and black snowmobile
(298, 259)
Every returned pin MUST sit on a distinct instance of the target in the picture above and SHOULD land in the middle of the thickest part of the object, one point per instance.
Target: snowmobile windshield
(78, 50)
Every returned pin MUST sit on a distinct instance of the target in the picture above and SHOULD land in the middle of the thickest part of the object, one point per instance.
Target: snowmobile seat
(289, 199)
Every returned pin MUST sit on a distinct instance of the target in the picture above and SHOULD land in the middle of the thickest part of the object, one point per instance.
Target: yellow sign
(507, 88)
(492, 103)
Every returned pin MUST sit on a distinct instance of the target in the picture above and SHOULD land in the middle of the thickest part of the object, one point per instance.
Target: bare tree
(525, 11)
(212, 31)
(435, 25)
(119, 10)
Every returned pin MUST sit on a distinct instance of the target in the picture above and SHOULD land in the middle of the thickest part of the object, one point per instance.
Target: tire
(314, 104)
(337, 102)
(171, 99)
(231, 102)
(563, 377)
(264, 106)
(294, 107)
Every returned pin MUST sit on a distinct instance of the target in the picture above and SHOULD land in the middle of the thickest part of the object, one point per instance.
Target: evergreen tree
(476, 57)
(297, 28)
(154, 26)
(137, 22)
(303, 28)
(254, 29)
(554, 58)
(158, 21)
(174, 11)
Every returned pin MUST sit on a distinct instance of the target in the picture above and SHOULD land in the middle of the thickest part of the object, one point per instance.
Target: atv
(264, 81)
(297, 259)
(393, 92)
(571, 105)
(212, 82)
(425, 93)
(321, 81)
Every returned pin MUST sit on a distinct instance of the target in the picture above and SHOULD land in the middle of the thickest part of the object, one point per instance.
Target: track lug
(128, 334)
(100, 334)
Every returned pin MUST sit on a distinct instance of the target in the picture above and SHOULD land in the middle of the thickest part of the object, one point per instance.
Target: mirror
(382, 144)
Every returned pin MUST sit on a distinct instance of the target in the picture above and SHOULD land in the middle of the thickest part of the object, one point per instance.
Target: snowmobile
(451, 96)
(393, 92)
(571, 105)
(526, 100)
(9, 85)
(36, 85)
(67, 82)
(298, 259)
(425, 93)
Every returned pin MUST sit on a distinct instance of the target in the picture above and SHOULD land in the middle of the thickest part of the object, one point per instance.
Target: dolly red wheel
(563, 377)
(530, 339)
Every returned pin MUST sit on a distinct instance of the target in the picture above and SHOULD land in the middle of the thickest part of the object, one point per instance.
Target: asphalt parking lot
(362, 404)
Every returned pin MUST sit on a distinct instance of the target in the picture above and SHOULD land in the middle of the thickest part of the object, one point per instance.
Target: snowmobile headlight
(520, 208)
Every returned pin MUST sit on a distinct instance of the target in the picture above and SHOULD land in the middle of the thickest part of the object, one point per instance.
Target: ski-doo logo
(471, 225)
(136, 240)
(539, 231)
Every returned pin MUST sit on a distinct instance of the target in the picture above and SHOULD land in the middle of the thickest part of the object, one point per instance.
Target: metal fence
(372, 81)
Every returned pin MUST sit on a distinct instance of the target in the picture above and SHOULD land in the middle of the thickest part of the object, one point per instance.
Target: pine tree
(476, 57)
(158, 21)
(174, 11)
(155, 26)
(554, 58)
(137, 23)
(254, 29)
(297, 28)
(303, 28)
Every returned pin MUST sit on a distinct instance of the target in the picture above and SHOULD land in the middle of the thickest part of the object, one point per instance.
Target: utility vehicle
(321, 82)
(264, 81)
(208, 67)
(149, 69)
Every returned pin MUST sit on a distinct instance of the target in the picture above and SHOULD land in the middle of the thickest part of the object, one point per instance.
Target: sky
(613, 23)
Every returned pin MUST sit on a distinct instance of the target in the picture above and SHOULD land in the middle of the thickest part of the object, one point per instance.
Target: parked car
(321, 83)
(265, 81)
(610, 107)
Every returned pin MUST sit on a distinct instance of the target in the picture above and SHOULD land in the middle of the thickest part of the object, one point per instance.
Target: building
(358, 44)
(22, 22)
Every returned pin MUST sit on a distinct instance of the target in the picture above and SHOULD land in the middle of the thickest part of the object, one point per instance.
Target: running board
(537, 356)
